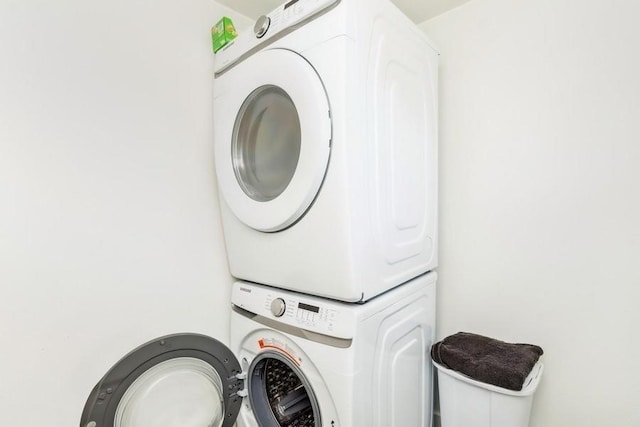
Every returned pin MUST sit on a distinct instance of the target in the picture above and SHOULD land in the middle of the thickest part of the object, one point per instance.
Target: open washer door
(191, 380)
(184, 380)
(272, 138)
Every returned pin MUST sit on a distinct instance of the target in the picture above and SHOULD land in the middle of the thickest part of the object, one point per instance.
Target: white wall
(540, 199)
(109, 222)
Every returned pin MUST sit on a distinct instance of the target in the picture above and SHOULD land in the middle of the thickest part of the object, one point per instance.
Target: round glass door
(272, 130)
(183, 392)
(266, 143)
(183, 380)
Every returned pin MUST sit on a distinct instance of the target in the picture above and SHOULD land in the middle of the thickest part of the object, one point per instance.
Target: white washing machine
(297, 361)
(326, 149)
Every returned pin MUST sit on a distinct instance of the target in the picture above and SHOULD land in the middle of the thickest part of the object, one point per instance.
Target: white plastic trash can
(465, 402)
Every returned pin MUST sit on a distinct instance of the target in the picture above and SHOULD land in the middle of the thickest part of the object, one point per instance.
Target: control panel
(314, 314)
(295, 11)
(285, 17)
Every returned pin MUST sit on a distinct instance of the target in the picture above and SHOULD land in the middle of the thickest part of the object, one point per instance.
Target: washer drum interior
(280, 394)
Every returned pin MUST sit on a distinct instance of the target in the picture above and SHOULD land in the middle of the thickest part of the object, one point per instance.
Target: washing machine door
(272, 138)
(184, 380)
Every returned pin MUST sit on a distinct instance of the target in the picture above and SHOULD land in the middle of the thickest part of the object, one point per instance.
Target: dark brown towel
(486, 359)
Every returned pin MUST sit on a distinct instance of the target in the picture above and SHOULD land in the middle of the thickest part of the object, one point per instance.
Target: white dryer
(326, 149)
(294, 361)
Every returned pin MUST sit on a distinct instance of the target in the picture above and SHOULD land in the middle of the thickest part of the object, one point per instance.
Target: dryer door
(272, 138)
(184, 380)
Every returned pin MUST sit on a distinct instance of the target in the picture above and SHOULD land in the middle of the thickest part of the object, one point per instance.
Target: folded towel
(486, 359)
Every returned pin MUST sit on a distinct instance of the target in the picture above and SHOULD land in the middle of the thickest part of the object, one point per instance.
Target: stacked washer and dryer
(326, 159)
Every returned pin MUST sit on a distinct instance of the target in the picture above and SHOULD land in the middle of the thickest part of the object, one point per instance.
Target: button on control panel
(261, 26)
(278, 307)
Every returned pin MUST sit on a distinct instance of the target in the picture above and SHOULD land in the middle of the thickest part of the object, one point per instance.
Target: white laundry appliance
(294, 361)
(326, 149)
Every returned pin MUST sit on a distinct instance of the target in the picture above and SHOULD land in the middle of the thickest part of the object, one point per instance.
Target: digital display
(291, 3)
(308, 307)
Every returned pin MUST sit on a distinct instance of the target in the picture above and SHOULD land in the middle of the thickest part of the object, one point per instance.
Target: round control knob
(261, 26)
(278, 307)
